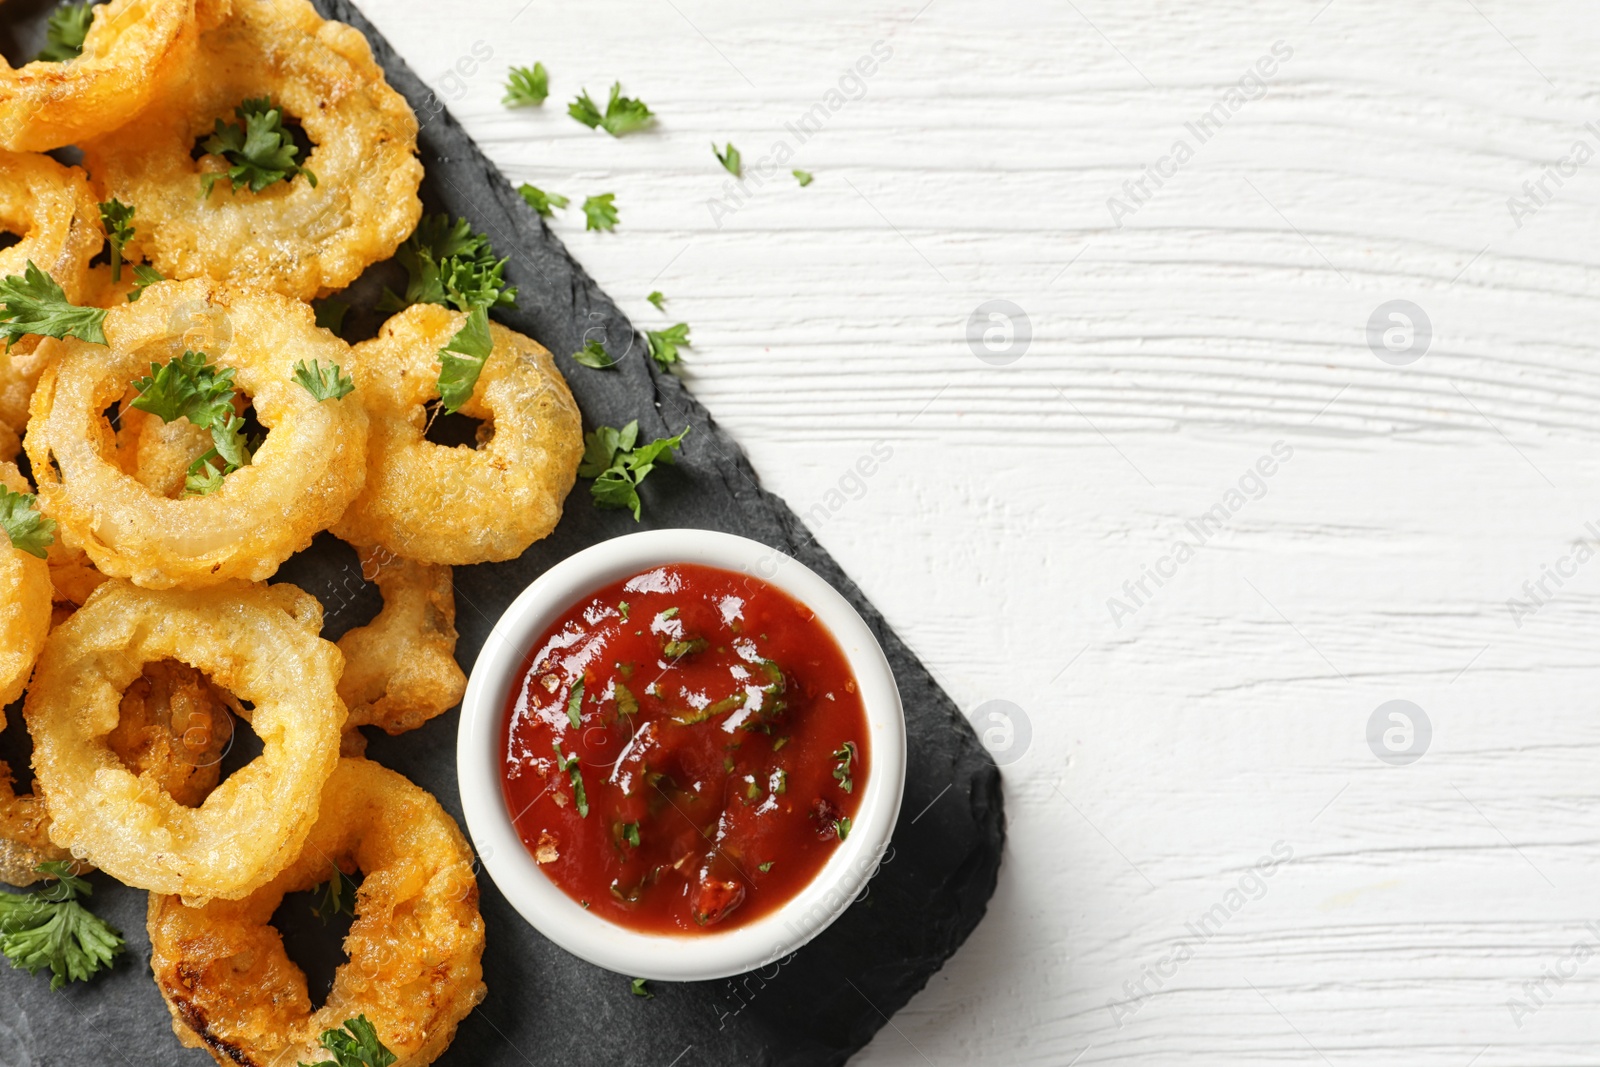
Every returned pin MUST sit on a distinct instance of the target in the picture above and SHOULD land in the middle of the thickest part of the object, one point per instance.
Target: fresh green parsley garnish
(670, 613)
(630, 833)
(594, 355)
(324, 383)
(447, 263)
(24, 524)
(330, 315)
(657, 299)
(49, 928)
(803, 177)
(639, 989)
(622, 114)
(190, 388)
(574, 703)
(541, 201)
(462, 360)
(599, 212)
(730, 159)
(116, 217)
(356, 1045)
(570, 765)
(258, 149)
(622, 609)
(677, 649)
(627, 703)
(526, 87)
(64, 32)
(765, 867)
(664, 344)
(336, 898)
(143, 276)
(609, 457)
(779, 743)
(33, 303)
(844, 756)
(841, 827)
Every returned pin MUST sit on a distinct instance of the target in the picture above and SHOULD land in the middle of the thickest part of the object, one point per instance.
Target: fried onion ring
(131, 46)
(52, 209)
(303, 476)
(460, 505)
(24, 624)
(400, 669)
(259, 643)
(415, 947)
(290, 237)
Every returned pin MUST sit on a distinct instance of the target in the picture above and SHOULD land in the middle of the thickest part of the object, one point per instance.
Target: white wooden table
(1177, 332)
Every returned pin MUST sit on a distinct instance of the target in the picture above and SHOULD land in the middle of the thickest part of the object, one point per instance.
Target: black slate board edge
(816, 1007)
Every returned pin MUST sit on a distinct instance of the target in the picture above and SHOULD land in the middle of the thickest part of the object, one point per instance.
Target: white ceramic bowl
(684, 957)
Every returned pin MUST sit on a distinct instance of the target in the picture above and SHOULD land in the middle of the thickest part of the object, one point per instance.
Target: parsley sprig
(664, 344)
(258, 149)
(569, 764)
(27, 528)
(844, 756)
(142, 276)
(64, 32)
(355, 1045)
(526, 87)
(336, 898)
(117, 217)
(324, 383)
(49, 928)
(32, 303)
(594, 354)
(541, 201)
(617, 467)
(190, 388)
(622, 114)
(600, 212)
(462, 360)
(730, 159)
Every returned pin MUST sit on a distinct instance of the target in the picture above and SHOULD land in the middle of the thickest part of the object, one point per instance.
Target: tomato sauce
(685, 749)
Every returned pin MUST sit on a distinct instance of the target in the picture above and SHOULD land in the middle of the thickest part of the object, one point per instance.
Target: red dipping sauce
(685, 750)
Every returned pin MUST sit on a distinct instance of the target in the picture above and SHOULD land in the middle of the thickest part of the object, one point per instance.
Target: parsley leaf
(187, 387)
(730, 159)
(570, 765)
(143, 276)
(617, 467)
(23, 523)
(598, 212)
(540, 200)
(227, 440)
(657, 299)
(34, 304)
(803, 177)
(356, 1045)
(844, 756)
(447, 263)
(574, 703)
(622, 114)
(203, 478)
(525, 87)
(51, 929)
(765, 867)
(330, 315)
(594, 355)
(664, 344)
(638, 988)
(324, 383)
(260, 150)
(336, 899)
(68, 25)
(841, 827)
(116, 217)
(462, 360)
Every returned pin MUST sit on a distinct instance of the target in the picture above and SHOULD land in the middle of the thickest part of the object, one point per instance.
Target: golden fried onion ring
(131, 45)
(24, 624)
(289, 237)
(304, 475)
(259, 643)
(53, 211)
(415, 948)
(400, 669)
(460, 505)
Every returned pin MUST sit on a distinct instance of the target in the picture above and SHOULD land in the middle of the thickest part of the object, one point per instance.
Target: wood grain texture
(1228, 713)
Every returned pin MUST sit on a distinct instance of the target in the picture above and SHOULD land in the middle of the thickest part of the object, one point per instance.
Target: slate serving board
(545, 1006)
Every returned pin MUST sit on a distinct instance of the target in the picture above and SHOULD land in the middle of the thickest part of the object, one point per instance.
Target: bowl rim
(548, 909)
